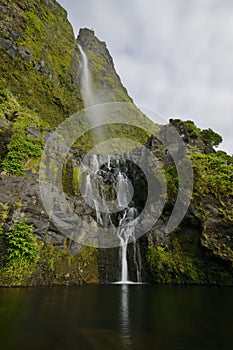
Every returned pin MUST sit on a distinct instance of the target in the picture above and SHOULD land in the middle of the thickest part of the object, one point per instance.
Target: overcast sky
(173, 56)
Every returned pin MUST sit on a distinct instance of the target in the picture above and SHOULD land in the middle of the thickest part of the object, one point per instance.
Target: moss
(108, 132)
(67, 176)
(105, 81)
(76, 178)
(53, 266)
(32, 165)
(172, 182)
(173, 266)
(225, 157)
(88, 266)
(212, 175)
(17, 274)
(4, 210)
(20, 146)
(58, 266)
(219, 248)
(42, 71)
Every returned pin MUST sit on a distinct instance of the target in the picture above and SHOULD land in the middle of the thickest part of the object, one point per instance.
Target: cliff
(40, 88)
(106, 81)
(199, 250)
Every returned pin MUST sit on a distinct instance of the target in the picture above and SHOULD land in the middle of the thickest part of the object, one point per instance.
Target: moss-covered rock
(200, 250)
(105, 81)
(39, 58)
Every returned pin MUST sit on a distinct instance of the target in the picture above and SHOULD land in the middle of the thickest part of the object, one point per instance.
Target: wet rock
(34, 132)
(23, 197)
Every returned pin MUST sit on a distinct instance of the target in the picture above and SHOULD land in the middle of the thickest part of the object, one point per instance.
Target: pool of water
(116, 317)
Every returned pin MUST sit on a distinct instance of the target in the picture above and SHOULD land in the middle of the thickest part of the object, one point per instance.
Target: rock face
(202, 244)
(106, 81)
(41, 73)
(39, 88)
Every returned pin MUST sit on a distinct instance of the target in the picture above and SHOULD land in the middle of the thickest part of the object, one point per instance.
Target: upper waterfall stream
(87, 92)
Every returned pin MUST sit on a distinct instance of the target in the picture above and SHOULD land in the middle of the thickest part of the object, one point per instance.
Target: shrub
(193, 131)
(21, 244)
(211, 137)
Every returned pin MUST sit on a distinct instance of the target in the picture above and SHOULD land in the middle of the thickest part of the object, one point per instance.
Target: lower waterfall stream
(104, 183)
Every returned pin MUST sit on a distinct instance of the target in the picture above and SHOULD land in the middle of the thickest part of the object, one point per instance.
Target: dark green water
(116, 317)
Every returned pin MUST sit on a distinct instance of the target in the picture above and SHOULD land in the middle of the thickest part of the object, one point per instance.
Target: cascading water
(124, 235)
(97, 181)
(87, 91)
(89, 95)
(111, 175)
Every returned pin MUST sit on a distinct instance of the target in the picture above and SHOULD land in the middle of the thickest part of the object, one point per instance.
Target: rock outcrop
(39, 57)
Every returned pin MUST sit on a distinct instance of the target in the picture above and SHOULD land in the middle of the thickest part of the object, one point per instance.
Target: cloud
(174, 56)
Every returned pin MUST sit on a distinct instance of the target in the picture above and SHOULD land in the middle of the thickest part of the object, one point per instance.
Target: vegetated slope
(39, 58)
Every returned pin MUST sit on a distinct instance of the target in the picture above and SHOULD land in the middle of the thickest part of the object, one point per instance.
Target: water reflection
(116, 317)
(124, 319)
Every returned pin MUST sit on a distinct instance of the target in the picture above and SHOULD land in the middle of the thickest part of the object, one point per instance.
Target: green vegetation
(108, 132)
(22, 252)
(21, 244)
(88, 266)
(192, 129)
(20, 147)
(225, 157)
(30, 262)
(211, 137)
(173, 266)
(206, 256)
(104, 80)
(43, 69)
(213, 175)
(172, 182)
(208, 136)
(4, 210)
(59, 266)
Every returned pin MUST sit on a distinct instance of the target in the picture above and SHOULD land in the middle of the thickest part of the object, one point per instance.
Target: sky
(174, 57)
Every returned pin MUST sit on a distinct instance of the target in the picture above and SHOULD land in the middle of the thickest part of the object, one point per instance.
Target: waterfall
(123, 235)
(114, 174)
(90, 97)
(122, 190)
(98, 178)
(88, 94)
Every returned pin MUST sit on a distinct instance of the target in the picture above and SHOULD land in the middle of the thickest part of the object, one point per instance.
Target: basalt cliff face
(40, 86)
(39, 58)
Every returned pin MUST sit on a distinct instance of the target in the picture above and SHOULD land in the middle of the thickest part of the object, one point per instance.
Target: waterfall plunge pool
(116, 317)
